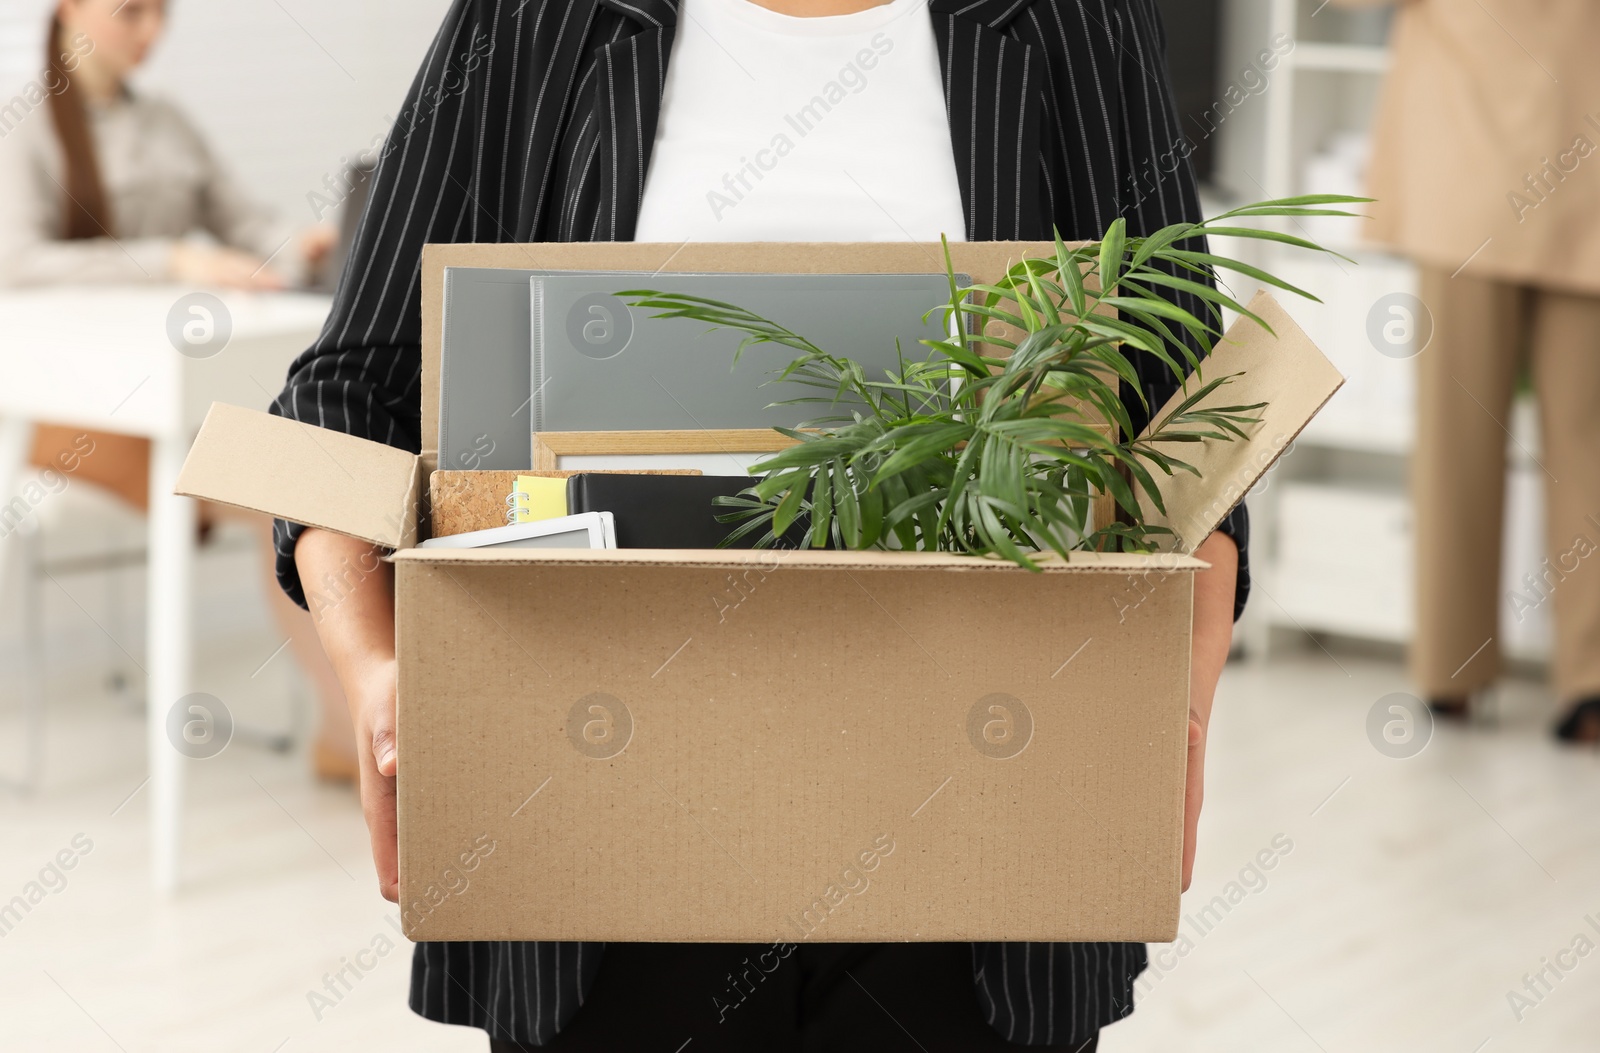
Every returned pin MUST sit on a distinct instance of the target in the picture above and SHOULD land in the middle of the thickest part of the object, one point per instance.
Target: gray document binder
(600, 365)
(484, 420)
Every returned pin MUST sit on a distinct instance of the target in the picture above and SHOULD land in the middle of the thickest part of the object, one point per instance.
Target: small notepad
(534, 498)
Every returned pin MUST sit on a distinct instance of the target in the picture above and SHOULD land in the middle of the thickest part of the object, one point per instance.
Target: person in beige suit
(1486, 172)
(101, 184)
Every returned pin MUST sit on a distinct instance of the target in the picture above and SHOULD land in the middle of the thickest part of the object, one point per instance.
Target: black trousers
(816, 998)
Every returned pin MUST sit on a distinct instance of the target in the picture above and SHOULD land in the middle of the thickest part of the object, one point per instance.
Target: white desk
(102, 358)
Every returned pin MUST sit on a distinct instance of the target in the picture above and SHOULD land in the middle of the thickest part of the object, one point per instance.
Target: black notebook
(667, 511)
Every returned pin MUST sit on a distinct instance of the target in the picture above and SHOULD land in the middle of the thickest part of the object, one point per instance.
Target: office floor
(1416, 895)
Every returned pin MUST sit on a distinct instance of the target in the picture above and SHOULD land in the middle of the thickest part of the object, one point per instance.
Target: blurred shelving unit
(1333, 532)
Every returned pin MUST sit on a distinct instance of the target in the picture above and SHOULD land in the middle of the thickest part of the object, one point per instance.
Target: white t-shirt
(780, 128)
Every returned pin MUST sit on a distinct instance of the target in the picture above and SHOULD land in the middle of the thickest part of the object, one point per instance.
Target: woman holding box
(677, 120)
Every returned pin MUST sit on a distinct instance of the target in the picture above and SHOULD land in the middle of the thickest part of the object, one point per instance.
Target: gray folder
(599, 365)
(484, 417)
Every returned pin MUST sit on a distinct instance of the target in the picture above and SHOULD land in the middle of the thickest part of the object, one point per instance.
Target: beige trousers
(1466, 380)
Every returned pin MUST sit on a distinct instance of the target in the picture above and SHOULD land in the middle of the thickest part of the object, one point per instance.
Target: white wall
(284, 88)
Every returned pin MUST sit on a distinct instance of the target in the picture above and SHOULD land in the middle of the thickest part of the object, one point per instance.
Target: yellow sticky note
(536, 498)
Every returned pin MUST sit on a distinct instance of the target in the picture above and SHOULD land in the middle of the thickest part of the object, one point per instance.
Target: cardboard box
(755, 746)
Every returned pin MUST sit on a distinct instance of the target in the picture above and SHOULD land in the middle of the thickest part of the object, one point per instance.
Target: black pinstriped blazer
(532, 120)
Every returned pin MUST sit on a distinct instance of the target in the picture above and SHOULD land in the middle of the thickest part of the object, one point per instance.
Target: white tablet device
(585, 530)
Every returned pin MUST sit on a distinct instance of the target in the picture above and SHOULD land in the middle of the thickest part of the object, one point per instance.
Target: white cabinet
(1374, 411)
(1344, 562)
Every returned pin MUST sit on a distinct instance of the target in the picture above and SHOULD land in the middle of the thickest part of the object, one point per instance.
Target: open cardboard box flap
(1281, 368)
(305, 474)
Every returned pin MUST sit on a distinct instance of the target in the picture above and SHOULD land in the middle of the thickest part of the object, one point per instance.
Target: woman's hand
(317, 242)
(372, 708)
(221, 268)
(1194, 792)
(356, 626)
(1213, 636)
(315, 245)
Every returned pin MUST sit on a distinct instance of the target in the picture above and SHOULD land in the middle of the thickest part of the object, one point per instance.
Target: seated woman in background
(112, 187)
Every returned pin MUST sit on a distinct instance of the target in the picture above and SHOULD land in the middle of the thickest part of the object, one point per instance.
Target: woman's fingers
(383, 752)
(378, 763)
(377, 802)
(316, 242)
(378, 806)
(1193, 795)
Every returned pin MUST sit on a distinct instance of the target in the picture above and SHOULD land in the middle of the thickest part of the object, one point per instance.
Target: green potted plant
(984, 453)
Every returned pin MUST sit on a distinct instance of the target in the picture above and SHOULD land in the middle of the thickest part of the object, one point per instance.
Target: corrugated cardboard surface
(983, 261)
(1127, 563)
(792, 715)
(305, 474)
(805, 754)
(1282, 368)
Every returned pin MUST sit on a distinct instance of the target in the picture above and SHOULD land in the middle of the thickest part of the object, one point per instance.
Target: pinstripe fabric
(532, 120)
